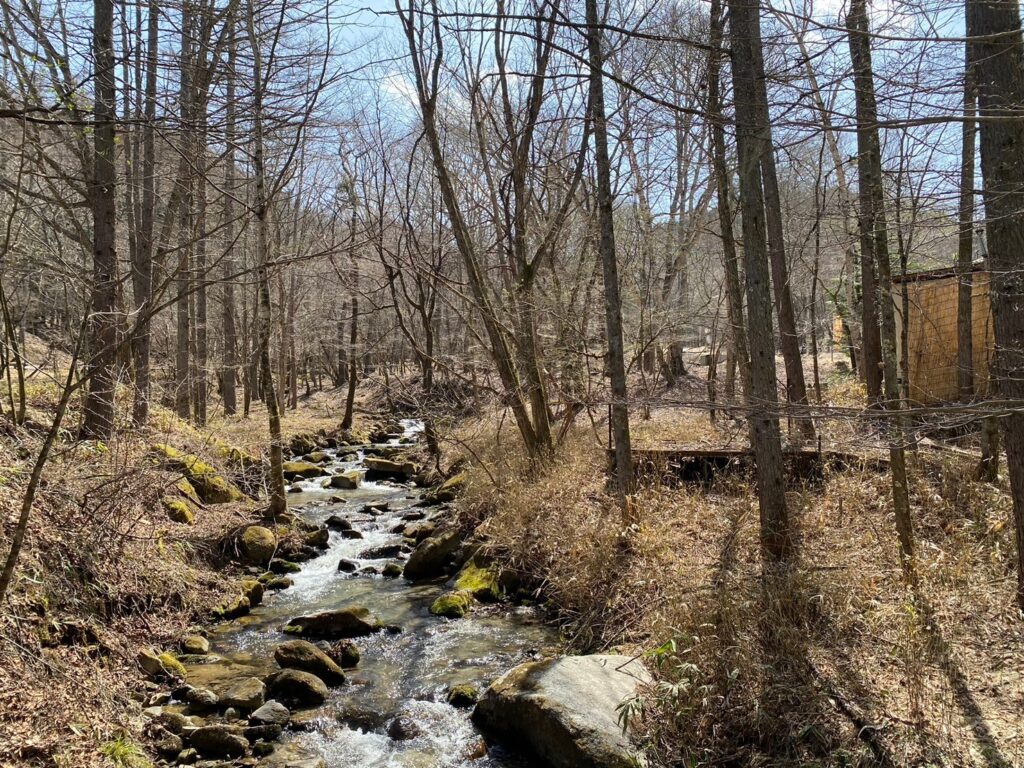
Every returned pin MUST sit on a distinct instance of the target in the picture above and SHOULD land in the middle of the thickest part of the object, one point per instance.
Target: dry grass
(836, 664)
(104, 572)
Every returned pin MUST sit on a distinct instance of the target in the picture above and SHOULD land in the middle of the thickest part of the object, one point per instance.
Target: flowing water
(404, 675)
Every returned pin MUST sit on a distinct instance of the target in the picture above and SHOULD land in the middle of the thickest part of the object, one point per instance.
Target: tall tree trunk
(99, 403)
(995, 29)
(753, 143)
(730, 260)
(965, 251)
(875, 239)
(261, 209)
(606, 250)
(142, 268)
(182, 357)
(229, 364)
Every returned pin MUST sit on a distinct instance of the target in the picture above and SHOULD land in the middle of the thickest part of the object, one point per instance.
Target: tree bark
(965, 251)
(875, 239)
(606, 250)
(753, 143)
(995, 29)
(99, 403)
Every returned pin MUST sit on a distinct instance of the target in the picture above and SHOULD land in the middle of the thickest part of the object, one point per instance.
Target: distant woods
(576, 210)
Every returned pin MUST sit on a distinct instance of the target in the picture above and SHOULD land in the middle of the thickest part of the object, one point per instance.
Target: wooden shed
(932, 332)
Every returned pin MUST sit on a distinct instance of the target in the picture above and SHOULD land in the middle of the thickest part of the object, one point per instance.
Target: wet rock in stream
(295, 687)
(355, 621)
(303, 655)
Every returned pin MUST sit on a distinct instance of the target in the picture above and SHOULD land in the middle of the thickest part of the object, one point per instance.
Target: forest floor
(840, 665)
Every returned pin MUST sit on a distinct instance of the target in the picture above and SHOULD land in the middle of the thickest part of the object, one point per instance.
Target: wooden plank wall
(932, 338)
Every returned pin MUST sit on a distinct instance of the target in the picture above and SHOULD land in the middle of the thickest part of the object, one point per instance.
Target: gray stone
(271, 713)
(565, 710)
(431, 557)
(246, 695)
(335, 625)
(219, 741)
(295, 687)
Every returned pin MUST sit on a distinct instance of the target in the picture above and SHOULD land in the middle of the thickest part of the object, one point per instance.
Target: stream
(403, 676)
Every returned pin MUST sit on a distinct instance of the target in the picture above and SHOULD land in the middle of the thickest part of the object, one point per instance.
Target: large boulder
(246, 695)
(335, 625)
(480, 582)
(298, 688)
(347, 481)
(386, 469)
(299, 654)
(219, 741)
(257, 545)
(211, 486)
(430, 558)
(565, 710)
(452, 605)
(301, 470)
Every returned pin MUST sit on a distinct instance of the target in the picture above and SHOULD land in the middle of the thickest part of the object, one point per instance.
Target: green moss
(178, 510)
(316, 457)
(208, 483)
(448, 490)
(171, 665)
(452, 605)
(234, 456)
(463, 696)
(482, 583)
(187, 490)
(253, 590)
(392, 571)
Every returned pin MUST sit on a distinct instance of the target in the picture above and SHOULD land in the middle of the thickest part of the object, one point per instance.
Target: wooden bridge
(673, 464)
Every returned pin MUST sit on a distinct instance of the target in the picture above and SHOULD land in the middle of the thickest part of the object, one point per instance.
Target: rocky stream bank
(370, 632)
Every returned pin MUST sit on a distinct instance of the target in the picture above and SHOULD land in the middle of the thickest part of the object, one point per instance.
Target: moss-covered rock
(257, 545)
(463, 696)
(354, 621)
(232, 609)
(186, 489)
(178, 510)
(283, 567)
(253, 590)
(316, 457)
(392, 571)
(481, 583)
(211, 486)
(448, 490)
(452, 605)
(236, 457)
(388, 469)
(298, 470)
(160, 666)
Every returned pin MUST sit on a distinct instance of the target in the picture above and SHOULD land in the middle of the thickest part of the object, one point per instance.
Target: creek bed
(402, 676)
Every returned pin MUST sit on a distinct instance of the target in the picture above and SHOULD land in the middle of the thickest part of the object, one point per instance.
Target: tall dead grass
(834, 662)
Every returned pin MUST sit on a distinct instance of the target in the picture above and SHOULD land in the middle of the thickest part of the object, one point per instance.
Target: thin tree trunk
(261, 209)
(606, 250)
(730, 260)
(876, 242)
